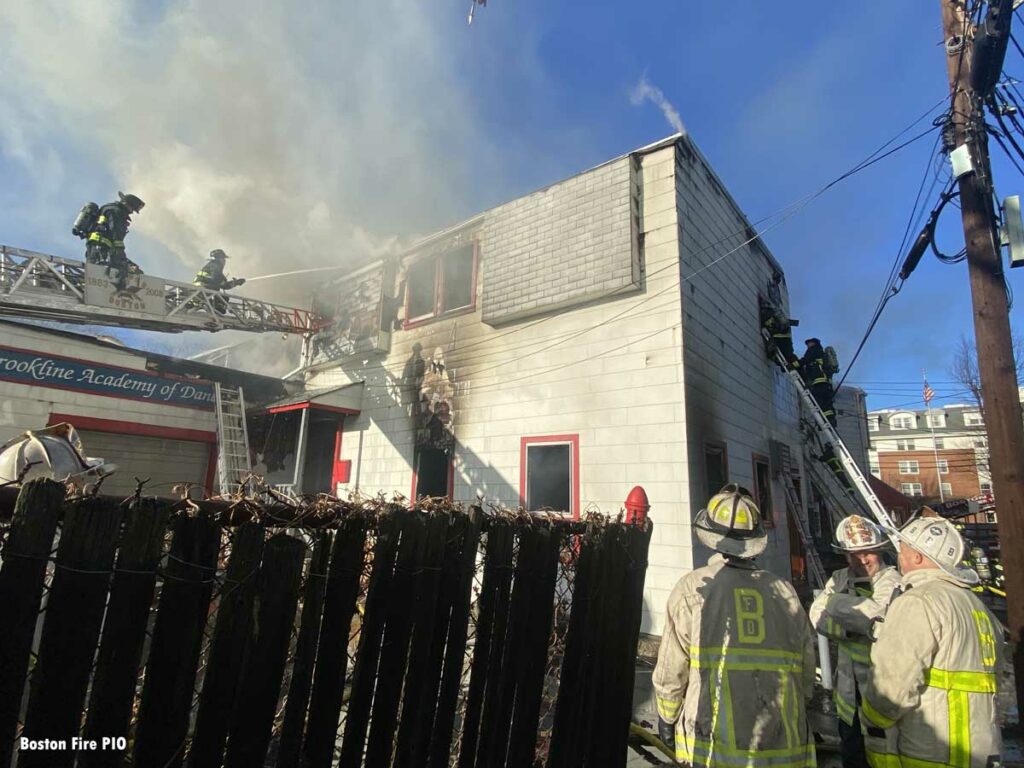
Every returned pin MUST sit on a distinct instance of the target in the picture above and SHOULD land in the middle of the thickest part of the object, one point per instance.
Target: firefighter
(937, 660)
(105, 242)
(816, 376)
(736, 663)
(212, 276)
(779, 332)
(853, 599)
(834, 464)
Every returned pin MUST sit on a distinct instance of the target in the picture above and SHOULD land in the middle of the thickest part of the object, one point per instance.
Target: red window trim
(146, 430)
(415, 475)
(439, 291)
(572, 440)
(341, 471)
(759, 458)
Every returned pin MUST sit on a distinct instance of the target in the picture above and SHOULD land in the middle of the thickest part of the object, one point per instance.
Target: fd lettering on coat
(749, 615)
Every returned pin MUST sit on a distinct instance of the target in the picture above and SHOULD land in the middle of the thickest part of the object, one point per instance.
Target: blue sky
(322, 135)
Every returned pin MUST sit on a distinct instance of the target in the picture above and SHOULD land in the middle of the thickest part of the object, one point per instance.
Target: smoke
(645, 91)
(288, 135)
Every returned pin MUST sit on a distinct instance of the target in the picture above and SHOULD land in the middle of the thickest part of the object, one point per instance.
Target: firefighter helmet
(937, 539)
(133, 202)
(731, 523)
(858, 534)
(218, 254)
(55, 452)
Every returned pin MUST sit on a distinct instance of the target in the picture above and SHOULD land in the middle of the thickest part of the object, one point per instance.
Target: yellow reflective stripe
(859, 652)
(916, 762)
(968, 682)
(730, 725)
(101, 219)
(96, 237)
(688, 747)
(883, 759)
(118, 243)
(668, 709)
(750, 666)
(959, 729)
(845, 709)
(874, 715)
(788, 724)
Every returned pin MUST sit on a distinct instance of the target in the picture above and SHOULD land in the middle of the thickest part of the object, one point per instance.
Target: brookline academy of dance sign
(24, 367)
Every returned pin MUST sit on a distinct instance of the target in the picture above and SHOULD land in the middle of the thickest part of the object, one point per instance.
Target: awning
(348, 398)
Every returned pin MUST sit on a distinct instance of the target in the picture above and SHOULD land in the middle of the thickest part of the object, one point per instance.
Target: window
(873, 423)
(875, 468)
(903, 421)
(940, 443)
(943, 465)
(763, 490)
(716, 467)
(911, 489)
(936, 420)
(910, 468)
(981, 443)
(904, 445)
(433, 474)
(973, 420)
(549, 475)
(947, 489)
(441, 284)
(986, 487)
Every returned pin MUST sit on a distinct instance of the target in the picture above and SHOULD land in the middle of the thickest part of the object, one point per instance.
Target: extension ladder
(829, 436)
(233, 463)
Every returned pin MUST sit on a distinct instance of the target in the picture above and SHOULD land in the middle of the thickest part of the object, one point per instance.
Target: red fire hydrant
(637, 506)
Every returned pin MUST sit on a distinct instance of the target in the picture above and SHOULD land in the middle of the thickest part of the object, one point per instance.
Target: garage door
(166, 462)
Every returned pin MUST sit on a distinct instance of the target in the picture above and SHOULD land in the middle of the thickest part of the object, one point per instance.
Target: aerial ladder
(41, 286)
(45, 287)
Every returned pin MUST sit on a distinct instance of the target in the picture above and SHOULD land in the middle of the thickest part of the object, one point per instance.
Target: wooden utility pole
(991, 324)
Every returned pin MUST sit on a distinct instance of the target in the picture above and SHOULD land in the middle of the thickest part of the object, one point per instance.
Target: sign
(44, 370)
(141, 293)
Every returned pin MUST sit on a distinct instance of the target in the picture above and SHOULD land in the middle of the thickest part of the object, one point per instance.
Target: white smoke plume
(290, 135)
(645, 91)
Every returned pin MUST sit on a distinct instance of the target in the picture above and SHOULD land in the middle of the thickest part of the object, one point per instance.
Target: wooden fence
(164, 634)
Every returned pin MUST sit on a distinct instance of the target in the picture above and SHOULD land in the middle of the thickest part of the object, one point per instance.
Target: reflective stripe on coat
(844, 613)
(935, 673)
(735, 669)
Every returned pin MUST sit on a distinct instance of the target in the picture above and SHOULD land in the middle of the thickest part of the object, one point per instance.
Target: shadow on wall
(429, 398)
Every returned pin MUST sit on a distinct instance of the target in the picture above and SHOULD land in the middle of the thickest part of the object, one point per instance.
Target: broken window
(763, 490)
(440, 284)
(550, 476)
(716, 467)
(432, 473)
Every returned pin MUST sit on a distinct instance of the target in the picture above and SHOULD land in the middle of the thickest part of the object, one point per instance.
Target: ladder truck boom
(38, 285)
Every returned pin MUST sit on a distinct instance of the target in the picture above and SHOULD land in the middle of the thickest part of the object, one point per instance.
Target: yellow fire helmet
(937, 539)
(858, 534)
(731, 524)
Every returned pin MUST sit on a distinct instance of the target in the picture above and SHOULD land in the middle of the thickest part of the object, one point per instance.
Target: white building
(557, 350)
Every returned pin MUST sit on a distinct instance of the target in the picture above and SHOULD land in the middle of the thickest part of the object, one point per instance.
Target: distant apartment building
(555, 351)
(942, 453)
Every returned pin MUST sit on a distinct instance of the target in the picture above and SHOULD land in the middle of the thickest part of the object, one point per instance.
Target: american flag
(929, 393)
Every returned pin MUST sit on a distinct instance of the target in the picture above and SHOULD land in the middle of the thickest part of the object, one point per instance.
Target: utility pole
(991, 323)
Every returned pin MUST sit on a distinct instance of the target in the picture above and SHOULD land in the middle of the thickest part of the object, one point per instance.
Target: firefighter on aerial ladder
(212, 277)
(104, 229)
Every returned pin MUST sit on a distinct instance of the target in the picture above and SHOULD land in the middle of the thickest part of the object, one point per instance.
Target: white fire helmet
(940, 542)
(858, 534)
(731, 524)
(55, 453)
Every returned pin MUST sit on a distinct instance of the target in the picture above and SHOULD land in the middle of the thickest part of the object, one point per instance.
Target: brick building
(557, 350)
(943, 453)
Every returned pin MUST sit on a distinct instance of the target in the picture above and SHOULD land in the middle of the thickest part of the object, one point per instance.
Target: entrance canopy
(347, 399)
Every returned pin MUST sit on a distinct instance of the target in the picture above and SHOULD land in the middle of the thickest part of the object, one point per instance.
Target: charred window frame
(441, 285)
(716, 466)
(763, 489)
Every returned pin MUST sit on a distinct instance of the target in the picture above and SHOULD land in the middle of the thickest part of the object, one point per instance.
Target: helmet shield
(940, 542)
